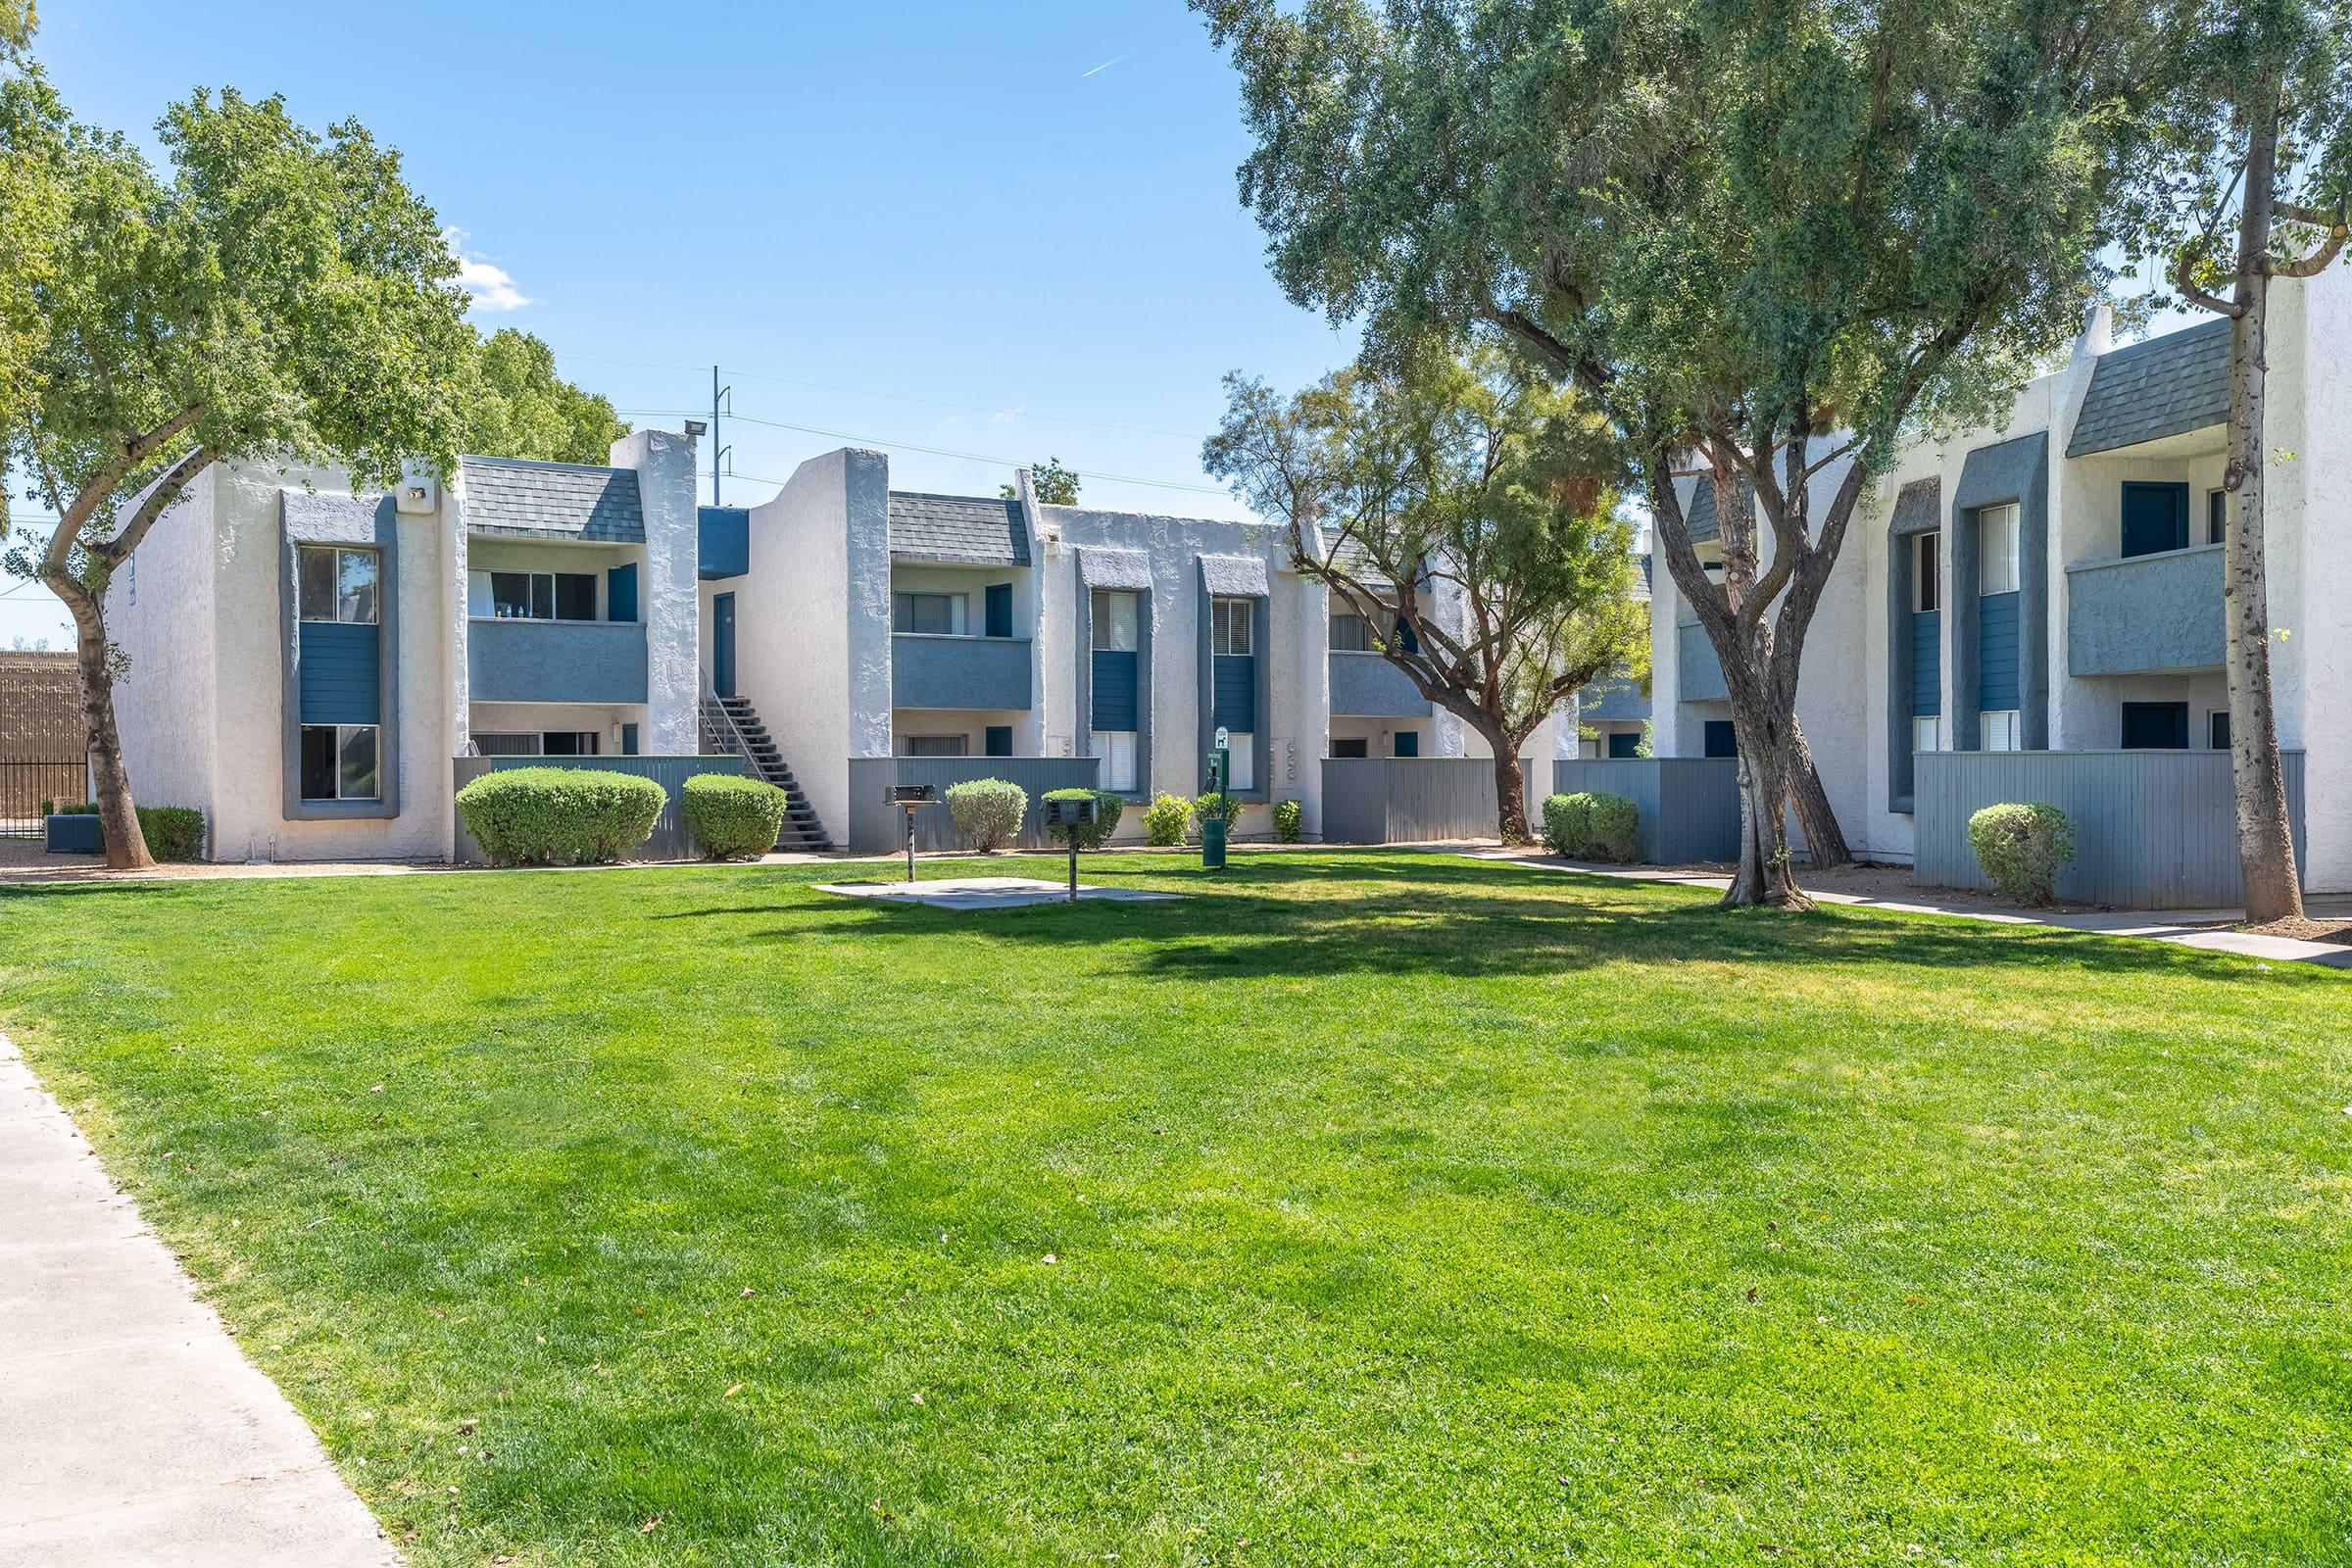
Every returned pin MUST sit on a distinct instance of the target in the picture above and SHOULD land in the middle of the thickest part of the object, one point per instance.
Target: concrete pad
(131, 1428)
(986, 892)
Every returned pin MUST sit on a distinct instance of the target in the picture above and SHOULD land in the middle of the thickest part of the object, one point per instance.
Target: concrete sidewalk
(132, 1430)
(2190, 928)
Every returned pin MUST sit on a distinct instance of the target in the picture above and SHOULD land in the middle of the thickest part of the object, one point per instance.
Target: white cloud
(1008, 415)
(490, 288)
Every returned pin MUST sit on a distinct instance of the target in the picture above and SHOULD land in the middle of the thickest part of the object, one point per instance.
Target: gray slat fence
(670, 840)
(2153, 830)
(1412, 800)
(1689, 806)
(877, 827)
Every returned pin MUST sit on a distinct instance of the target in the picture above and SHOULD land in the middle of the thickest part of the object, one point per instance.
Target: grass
(1362, 1207)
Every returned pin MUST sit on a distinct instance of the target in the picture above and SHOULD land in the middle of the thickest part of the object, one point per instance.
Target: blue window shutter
(1927, 663)
(341, 673)
(1115, 691)
(1232, 684)
(1996, 653)
(620, 593)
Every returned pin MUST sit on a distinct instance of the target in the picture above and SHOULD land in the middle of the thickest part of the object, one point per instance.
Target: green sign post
(1212, 828)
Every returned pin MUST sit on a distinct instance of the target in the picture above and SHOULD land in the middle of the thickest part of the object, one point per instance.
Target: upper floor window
(2155, 516)
(1351, 633)
(1997, 550)
(1231, 624)
(531, 595)
(1114, 616)
(1927, 589)
(2217, 516)
(338, 585)
(929, 614)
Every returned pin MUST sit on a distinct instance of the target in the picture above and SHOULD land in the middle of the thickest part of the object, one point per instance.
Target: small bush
(171, 832)
(1166, 820)
(732, 818)
(988, 812)
(1590, 825)
(1108, 808)
(2021, 848)
(1205, 808)
(1290, 820)
(560, 816)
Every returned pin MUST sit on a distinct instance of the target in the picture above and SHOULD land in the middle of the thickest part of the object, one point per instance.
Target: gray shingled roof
(1234, 576)
(964, 528)
(562, 500)
(2165, 387)
(1918, 507)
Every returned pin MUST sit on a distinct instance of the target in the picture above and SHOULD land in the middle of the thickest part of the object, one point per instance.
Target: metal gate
(27, 788)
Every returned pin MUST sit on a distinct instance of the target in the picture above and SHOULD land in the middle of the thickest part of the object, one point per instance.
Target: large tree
(274, 293)
(522, 409)
(1462, 506)
(1761, 240)
(2257, 185)
(31, 203)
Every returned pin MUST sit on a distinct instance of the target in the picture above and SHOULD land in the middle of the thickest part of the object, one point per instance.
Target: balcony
(1699, 674)
(2145, 614)
(556, 661)
(1367, 686)
(977, 672)
(1613, 699)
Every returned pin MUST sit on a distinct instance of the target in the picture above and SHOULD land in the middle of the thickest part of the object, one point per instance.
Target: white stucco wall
(159, 612)
(2311, 523)
(668, 600)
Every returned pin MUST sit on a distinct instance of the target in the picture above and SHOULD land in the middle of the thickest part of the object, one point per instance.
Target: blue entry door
(723, 645)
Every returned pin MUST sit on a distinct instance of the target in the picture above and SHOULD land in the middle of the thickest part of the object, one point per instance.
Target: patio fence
(1689, 806)
(877, 827)
(1413, 800)
(670, 841)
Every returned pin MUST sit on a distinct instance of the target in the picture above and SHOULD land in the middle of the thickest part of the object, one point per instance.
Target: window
(2001, 730)
(1997, 550)
(1244, 761)
(490, 743)
(545, 743)
(1927, 588)
(935, 745)
(531, 595)
(1114, 617)
(1926, 733)
(1231, 624)
(1351, 633)
(1116, 748)
(1406, 743)
(567, 743)
(2155, 726)
(338, 762)
(997, 740)
(2217, 729)
(2217, 516)
(1722, 738)
(2155, 518)
(336, 584)
(1625, 743)
(1353, 746)
(928, 615)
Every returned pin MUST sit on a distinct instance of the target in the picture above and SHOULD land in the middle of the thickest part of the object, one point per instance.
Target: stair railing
(711, 705)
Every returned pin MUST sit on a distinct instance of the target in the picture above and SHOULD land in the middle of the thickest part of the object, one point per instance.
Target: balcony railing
(556, 661)
(971, 673)
(2145, 614)
(1699, 674)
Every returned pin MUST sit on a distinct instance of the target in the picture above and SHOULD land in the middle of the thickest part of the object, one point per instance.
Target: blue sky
(1003, 231)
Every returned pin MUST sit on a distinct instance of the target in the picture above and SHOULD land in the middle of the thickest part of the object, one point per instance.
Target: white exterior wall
(2310, 520)
(163, 700)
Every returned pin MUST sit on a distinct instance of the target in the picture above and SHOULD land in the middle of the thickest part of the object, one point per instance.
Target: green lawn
(1361, 1208)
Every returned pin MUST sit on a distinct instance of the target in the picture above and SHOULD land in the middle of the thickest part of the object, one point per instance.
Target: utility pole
(720, 398)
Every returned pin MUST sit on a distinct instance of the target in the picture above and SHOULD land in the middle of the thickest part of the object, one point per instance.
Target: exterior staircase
(731, 724)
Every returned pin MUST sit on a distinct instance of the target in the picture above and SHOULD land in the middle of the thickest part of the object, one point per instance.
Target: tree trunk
(2265, 847)
(1511, 797)
(118, 816)
(1824, 841)
(1764, 876)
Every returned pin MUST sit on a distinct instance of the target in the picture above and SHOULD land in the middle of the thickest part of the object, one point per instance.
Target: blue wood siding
(341, 676)
(1997, 683)
(1927, 663)
(1114, 689)
(1233, 680)
(620, 593)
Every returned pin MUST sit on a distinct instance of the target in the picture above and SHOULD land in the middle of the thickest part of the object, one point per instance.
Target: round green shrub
(1166, 820)
(1290, 820)
(988, 812)
(2023, 847)
(733, 817)
(171, 832)
(1590, 825)
(560, 816)
(1108, 808)
(1205, 808)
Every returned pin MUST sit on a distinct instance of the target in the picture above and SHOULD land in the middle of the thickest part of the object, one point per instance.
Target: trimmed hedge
(1166, 820)
(1290, 820)
(1205, 808)
(560, 816)
(1590, 825)
(2021, 848)
(988, 812)
(733, 817)
(1108, 808)
(172, 832)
